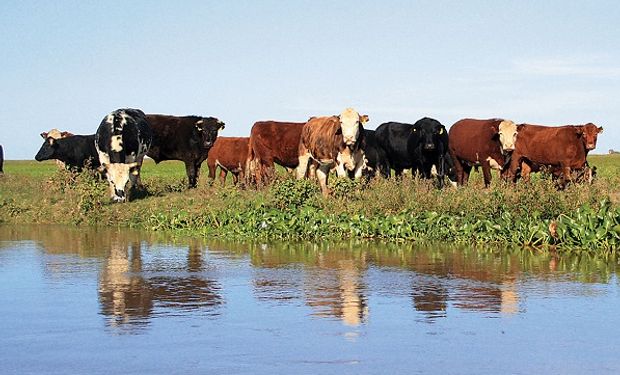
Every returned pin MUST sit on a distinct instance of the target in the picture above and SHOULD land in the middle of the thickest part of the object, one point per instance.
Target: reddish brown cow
(272, 142)
(230, 154)
(563, 147)
(483, 143)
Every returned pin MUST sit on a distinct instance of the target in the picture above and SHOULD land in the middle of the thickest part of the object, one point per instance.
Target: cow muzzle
(429, 146)
(119, 196)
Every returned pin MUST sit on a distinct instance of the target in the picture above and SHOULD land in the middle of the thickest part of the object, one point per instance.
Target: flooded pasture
(100, 301)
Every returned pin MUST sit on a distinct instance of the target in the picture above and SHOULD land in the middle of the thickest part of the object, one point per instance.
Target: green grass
(583, 217)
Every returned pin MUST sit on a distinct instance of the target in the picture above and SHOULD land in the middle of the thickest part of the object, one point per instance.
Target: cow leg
(526, 170)
(465, 176)
(223, 174)
(302, 168)
(235, 177)
(486, 172)
(192, 174)
(322, 173)
(212, 168)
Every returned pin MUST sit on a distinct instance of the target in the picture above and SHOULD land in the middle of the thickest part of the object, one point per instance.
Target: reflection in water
(139, 278)
(131, 289)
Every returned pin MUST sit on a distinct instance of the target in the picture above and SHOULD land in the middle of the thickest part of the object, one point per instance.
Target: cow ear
(65, 134)
(364, 119)
(44, 135)
(600, 129)
(520, 127)
(579, 130)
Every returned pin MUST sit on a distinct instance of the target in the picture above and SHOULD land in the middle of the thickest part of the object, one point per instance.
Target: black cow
(122, 140)
(418, 147)
(1, 160)
(187, 138)
(76, 151)
(376, 157)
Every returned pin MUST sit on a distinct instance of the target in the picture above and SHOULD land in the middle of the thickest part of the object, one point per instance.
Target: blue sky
(66, 64)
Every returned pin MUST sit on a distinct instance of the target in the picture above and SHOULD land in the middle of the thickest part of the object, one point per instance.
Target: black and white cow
(75, 151)
(419, 147)
(1, 160)
(122, 140)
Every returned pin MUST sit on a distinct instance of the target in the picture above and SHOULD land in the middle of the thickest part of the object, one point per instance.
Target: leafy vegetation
(533, 214)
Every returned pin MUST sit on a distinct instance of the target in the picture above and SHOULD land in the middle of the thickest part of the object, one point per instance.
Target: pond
(101, 301)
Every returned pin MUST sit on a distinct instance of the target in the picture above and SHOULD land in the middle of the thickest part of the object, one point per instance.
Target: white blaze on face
(116, 143)
(507, 135)
(118, 177)
(349, 123)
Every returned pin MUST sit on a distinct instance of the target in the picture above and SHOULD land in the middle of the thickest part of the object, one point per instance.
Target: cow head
(55, 134)
(120, 177)
(47, 150)
(430, 132)
(208, 129)
(507, 135)
(589, 134)
(350, 123)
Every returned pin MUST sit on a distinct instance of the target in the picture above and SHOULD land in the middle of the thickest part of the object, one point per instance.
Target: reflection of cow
(272, 142)
(485, 143)
(334, 141)
(562, 147)
(184, 138)
(122, 140)
(230, 154)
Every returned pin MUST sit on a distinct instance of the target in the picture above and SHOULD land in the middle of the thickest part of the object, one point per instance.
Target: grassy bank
(534, 214)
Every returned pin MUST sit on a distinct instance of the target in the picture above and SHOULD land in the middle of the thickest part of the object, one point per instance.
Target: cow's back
(393, 137)
(475, 140)
(173, 137)
(321, 137)
(231, 152)
(549, 145)
(124, 136)
(277, 141)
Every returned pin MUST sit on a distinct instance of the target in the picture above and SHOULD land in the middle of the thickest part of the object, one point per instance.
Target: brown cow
(480, 142)
(563, 147)
(230, 154)
(272, 142)
(334, 141)
(55, 134)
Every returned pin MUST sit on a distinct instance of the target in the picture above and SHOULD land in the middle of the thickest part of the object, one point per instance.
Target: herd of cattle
(321, 145)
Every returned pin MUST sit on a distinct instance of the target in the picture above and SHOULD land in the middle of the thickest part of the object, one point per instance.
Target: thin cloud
(566, 67)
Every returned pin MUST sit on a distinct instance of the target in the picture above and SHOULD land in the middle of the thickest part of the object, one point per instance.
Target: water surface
(101, 301)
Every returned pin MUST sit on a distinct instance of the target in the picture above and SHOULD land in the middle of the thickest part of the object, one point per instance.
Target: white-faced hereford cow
(486, 143)
(334, 141)
(186, 138)
(122, 140)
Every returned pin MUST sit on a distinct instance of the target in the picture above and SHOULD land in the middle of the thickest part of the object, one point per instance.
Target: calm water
(108, 301)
